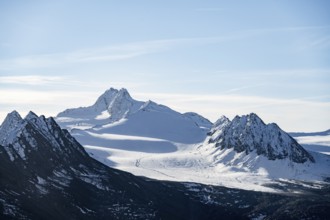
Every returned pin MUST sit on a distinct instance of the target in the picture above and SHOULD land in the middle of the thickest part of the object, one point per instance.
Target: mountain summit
(116, 112)
(249, 133)
(21, 138)
(111, 106)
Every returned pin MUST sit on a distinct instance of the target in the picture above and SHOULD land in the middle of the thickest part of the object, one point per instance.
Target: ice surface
(157, 142)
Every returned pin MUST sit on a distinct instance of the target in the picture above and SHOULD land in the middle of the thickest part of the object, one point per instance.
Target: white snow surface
(315, 143)
(152, 140)
(199, 120)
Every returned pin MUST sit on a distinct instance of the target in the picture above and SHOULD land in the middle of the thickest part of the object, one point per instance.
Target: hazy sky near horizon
(211, 57)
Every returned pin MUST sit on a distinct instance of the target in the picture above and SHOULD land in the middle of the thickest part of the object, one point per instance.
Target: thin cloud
(35, 97)
(31, 80)
(40, 80)
(110, 53)
(137, 49)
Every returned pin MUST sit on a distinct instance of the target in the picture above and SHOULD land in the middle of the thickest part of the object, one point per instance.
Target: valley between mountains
(152, 140)
(125, 159)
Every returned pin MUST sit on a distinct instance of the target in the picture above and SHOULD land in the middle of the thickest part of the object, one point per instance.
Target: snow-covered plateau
(152, 140)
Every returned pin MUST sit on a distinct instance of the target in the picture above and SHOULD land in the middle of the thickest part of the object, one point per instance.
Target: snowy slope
(153, 140)
(248, 145)
(199, 120)
(115, 112)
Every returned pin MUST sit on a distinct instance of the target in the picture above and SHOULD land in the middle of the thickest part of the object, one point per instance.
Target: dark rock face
(249, 133)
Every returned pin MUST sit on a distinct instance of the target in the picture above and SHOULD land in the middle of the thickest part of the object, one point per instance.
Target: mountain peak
(251, 119)
(31, 115)
(108, 96)
(12, 118)
(124, 92)
(14, 114)
(9, 125)
(111, 106)
(104, 100)
(223, 120)
(249, 133)
(20, 137)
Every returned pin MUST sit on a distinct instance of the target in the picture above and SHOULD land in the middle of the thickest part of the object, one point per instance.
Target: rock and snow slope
(250, 134)
(46, 174)
(152, 140)
(247, 144)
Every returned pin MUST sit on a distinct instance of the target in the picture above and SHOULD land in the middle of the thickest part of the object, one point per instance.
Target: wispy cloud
(136, 49)
(35, 97)
(31, 80)
(315, 42)
(110, 53)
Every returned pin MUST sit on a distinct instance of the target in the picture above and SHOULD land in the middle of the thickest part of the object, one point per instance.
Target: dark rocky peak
(38, 137)
(11, 119)
(8, 127)
(105, 99)
(118, 103)
(217, 127)
(221, 122)
(110, 95)
(251, 119)
(249, 133)
(124, 93)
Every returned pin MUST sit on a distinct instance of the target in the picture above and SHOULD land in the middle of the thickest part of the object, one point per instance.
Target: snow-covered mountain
(246, 144)
(115, 112)
(250, 134)
(46, 174)
(153, 140)
(111, 106)
(21, 138)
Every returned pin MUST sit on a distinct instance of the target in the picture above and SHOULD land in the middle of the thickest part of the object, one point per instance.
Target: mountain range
(46, 174)
(152, 140)
(184, 166)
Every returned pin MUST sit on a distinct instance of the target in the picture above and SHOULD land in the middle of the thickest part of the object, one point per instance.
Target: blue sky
(212, 57)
